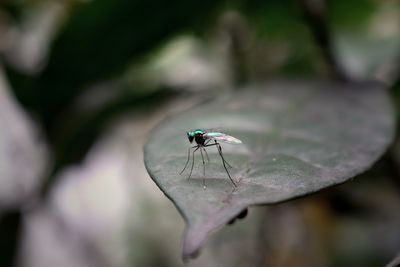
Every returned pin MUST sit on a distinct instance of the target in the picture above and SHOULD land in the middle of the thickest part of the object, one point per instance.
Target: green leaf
(298, 138)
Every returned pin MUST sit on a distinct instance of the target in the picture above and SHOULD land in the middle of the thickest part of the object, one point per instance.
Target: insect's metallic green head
(190, 136)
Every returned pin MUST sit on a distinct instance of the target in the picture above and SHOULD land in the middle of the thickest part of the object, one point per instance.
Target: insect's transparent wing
(228, 139)
(221, 137)
(213, 130)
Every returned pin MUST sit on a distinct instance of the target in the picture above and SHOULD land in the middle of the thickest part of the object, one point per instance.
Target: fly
(207, 138)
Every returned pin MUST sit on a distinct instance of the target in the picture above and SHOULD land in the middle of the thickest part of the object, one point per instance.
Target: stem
(315, 17)
(234, 27)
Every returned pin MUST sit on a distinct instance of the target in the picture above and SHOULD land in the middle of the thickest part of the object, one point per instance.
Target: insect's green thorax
(196, 132)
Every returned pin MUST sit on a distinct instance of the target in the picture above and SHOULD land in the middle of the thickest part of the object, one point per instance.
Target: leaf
(298, 138)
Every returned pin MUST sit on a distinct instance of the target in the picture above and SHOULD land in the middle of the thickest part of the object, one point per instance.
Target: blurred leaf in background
(24, 153)
(367, 37)
(99, 40)
(280, 27)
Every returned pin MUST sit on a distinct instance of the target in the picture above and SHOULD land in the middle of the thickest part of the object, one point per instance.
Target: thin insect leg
(204, 168)
(229, 165)
(220, 150)
(205, 144)
(197, 147)
(215, 144)
(223, 160)
(205, 151)
(204, 163)
(187, 161)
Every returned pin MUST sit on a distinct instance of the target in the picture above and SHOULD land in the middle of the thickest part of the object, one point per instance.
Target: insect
(207, 138)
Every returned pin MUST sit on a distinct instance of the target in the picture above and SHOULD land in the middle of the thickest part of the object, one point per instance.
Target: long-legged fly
(207, 138)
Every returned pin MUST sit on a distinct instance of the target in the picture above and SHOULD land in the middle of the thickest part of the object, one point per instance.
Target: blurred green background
(82, 82)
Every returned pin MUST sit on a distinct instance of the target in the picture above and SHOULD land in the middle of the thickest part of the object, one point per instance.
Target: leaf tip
(192, 243)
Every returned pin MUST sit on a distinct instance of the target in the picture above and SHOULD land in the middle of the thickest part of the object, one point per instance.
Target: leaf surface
(298, 138)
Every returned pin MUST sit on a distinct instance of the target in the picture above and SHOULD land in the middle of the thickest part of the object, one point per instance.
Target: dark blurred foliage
(95, 44)
(98, 42)
(10, 226)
